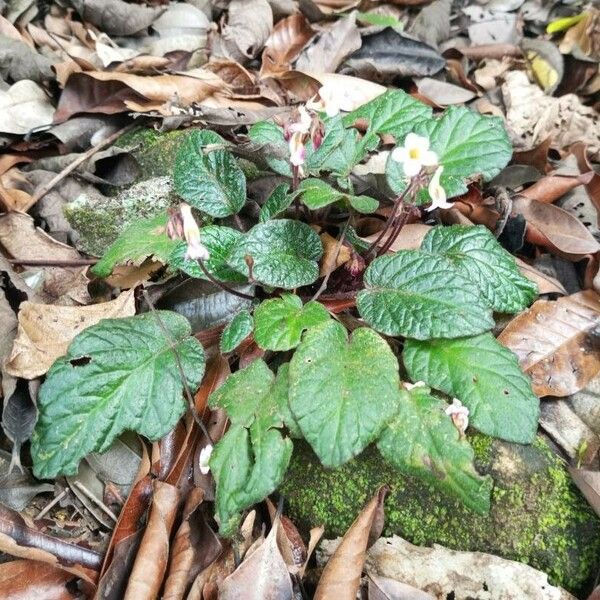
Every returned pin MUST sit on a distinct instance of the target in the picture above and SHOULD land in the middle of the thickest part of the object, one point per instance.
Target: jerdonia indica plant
(340, 391)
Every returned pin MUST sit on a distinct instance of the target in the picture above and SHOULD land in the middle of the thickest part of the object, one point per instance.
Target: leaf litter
(139, 521)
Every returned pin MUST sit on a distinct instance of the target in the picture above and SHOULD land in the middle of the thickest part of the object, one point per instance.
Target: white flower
(459, 415)
(330, 99)
(297, 149)
(415, 154)
(436, 191)
(195, 250)
(304, 124)
(205, 455)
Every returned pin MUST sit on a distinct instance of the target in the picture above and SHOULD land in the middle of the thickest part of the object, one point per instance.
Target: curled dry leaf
(116, 17)
(341, 576)
(557, 343)
(45, 331)
(555, 228)
(151, 560)
(20, 540)
(30, 579)
(262, 576)
(285, 43)
(552, 187)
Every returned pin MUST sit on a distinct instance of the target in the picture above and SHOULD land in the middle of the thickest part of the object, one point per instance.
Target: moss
(538, 516)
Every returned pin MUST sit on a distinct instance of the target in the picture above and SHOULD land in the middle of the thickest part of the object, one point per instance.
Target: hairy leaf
(270, 136)
(236, 331)
(276, 203)
(479, 257)
(485, 376)
(317, 193)
(421, 440)
(210, 180)
(422, 296)
(342, 391)
(280, 322)
(117, 375)
(283, 252)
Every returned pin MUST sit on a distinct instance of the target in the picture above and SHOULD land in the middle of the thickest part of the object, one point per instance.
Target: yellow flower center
(414, 153)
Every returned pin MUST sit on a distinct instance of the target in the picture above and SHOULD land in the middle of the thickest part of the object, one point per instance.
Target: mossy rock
(98, 221)
(538, 516)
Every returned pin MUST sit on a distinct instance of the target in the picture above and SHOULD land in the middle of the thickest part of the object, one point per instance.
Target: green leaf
(317, 193)
(236, 331)
(421, 440)
(342, 391)
(468, 145)
(420, 295)
(479, 257)
(281, 392)
(485, 376)
(284, 253)
(270, 136)
(280, 322)
(118, 375)
(276, 203)
(220, 242)
(210, 180)
(337, 152)
(372, 18)
(250, 461)
(143, 239)
(395, 113)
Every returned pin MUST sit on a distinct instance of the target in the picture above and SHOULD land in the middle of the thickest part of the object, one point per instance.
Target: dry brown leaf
(341, 576)
(24, 106)
(552, 187)
(116, 17)
(110, 92)
(589, 484)
(555, 228)
(579, 150)
(262, 576)
(410, 237)
(232, 73)
(545, 283)
(583, 39)
(151, 560)
(557, 343)
(45, 331)
(384, 588)
(33, 580)
(334, 256)
(285, 43)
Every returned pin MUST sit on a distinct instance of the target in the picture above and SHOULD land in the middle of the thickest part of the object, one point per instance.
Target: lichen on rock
(538, 516)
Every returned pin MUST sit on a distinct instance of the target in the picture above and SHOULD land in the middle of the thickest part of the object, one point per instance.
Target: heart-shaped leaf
(479, 257)
(280, 322)
(317, 193)
(421, 440)
(283, 253)
(485, 376)
(342, 391)
(249, 462)
(420, 295)
(209, 179)
(276, 203)
(236, 331)
(468, 145)
(121, 374)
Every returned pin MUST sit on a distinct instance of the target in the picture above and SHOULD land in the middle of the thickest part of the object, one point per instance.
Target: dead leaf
(333, 256)
(45, 331)
(410, 237)
(22, 541)
(546, 284)
(341, 576)
(151, 560)
(442, 93)
(451, 573)
(589, 484)
(432, 24)
(31, 580)
(555, 228)
(384, 588)
(582, 40)
(331, 47)
(557, 343)
(24, 106)
(18, 62)
(579, 150)
(116, 17)
(262, 576)
(286, 41)
(351, 92)
(552, 187)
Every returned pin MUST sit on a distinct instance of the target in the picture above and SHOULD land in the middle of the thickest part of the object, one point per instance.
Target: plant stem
(222, 285)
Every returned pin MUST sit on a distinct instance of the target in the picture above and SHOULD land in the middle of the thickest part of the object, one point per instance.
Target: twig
(222, 285)
(490, 51)
(78, 161)
(336, 250)
(42, 262)
(95, 500)
(49, 506)
(186, 388)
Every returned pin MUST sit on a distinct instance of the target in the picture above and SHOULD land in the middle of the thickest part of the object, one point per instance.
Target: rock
(98, 220)
(538, 516)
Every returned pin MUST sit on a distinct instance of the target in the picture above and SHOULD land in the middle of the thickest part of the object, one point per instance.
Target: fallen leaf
(285, 43)
(555, 228)
(581, 40)
(350, 92)
(579, 150)
(552, 187)
(384, 588)
(262, 576)
(451, 573)
(330, 47)
(22, 541)
(557, 343)
(432, 24)
(589, 484)
(490, 26)
(18, 62)
(30, 580)
(341, 576)
(116, 17)
(442, 93)
(545, 63)
(546, 284)
(17, 488)
(151, 560)
(23, 107)
(410, 237)
(333, 257)
(45, 331)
